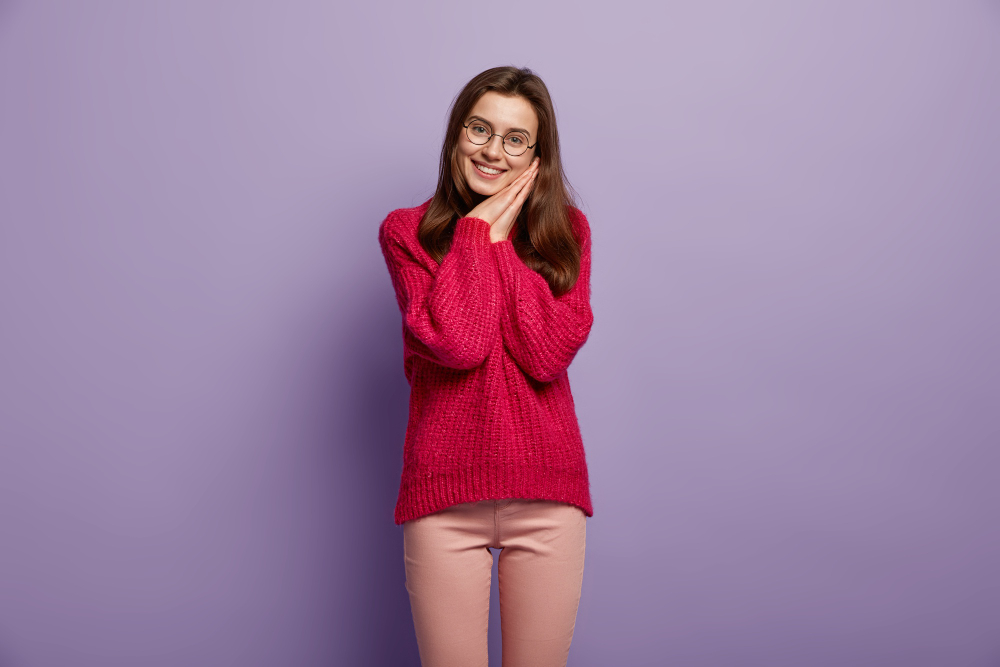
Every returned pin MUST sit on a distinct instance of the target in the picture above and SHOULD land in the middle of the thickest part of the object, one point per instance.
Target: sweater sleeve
(455, 311)
(543, 332)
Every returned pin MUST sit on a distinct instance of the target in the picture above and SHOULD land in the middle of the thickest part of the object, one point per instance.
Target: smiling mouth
(488, 170)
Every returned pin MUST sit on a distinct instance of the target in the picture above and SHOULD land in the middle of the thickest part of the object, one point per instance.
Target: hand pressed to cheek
(500, 229)
(507, 202)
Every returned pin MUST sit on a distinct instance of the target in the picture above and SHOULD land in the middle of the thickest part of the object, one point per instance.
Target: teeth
(487, 170)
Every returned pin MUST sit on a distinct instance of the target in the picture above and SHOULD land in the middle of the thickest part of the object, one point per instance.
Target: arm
(455, 311)
(542, 332)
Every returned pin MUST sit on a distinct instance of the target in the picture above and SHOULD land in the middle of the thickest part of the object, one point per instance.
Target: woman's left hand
(500, 229)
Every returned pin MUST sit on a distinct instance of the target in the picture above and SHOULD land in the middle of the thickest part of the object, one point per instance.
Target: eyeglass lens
(515, 143)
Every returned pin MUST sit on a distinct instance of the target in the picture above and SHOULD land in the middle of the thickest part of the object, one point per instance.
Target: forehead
(505, 112)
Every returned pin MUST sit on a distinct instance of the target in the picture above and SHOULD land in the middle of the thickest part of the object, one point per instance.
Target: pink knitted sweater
(485, 350)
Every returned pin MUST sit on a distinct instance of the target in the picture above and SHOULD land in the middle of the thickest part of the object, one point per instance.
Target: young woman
(492, 277)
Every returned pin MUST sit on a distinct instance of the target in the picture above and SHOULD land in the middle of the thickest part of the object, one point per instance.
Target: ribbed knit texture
(485, 350)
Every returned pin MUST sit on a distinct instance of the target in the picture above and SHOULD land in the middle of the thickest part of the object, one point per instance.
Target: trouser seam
(496, 524)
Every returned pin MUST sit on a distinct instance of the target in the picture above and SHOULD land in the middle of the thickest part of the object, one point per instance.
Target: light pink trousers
(448, 569)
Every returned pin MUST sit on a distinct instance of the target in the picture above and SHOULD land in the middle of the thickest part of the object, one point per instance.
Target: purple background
(789, 398)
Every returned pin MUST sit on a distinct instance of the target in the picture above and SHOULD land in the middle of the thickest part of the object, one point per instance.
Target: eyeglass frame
(503, 137)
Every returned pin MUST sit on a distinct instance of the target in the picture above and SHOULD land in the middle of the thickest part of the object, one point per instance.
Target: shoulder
(581, 226)
(576, 216)
(402, 223)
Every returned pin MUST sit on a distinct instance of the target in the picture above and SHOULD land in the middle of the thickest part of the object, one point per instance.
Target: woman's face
(488, 168)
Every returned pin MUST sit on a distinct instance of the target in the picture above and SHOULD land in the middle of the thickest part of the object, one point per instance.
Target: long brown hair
(543, 233)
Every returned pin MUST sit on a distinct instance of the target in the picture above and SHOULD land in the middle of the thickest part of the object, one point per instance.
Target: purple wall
(789, 398)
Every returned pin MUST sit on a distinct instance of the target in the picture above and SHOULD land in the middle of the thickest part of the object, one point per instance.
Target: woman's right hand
(500, 210)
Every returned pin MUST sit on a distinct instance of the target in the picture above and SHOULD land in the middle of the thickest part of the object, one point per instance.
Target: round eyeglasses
(515, 142)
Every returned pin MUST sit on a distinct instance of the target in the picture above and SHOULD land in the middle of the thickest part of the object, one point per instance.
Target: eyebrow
(509, 129)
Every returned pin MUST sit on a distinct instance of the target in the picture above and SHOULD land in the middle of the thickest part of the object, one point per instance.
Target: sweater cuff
(472, 231)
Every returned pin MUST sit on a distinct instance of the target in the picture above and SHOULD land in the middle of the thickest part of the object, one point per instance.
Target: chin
(484, 190)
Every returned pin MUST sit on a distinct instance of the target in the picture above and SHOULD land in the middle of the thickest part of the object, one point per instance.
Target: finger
(525, 191)
(514, 186)
(528, 174)
(527, 185)
(512, 211)
(507, 196)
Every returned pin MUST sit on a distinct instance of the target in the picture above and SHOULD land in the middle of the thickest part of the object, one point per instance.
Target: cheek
(465, 149)
(515, 172)
(464, 163)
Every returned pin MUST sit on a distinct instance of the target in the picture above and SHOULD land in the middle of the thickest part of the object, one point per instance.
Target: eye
(479, 128)
(515, 139)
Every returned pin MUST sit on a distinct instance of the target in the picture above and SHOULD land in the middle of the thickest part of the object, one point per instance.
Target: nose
(494, 147)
